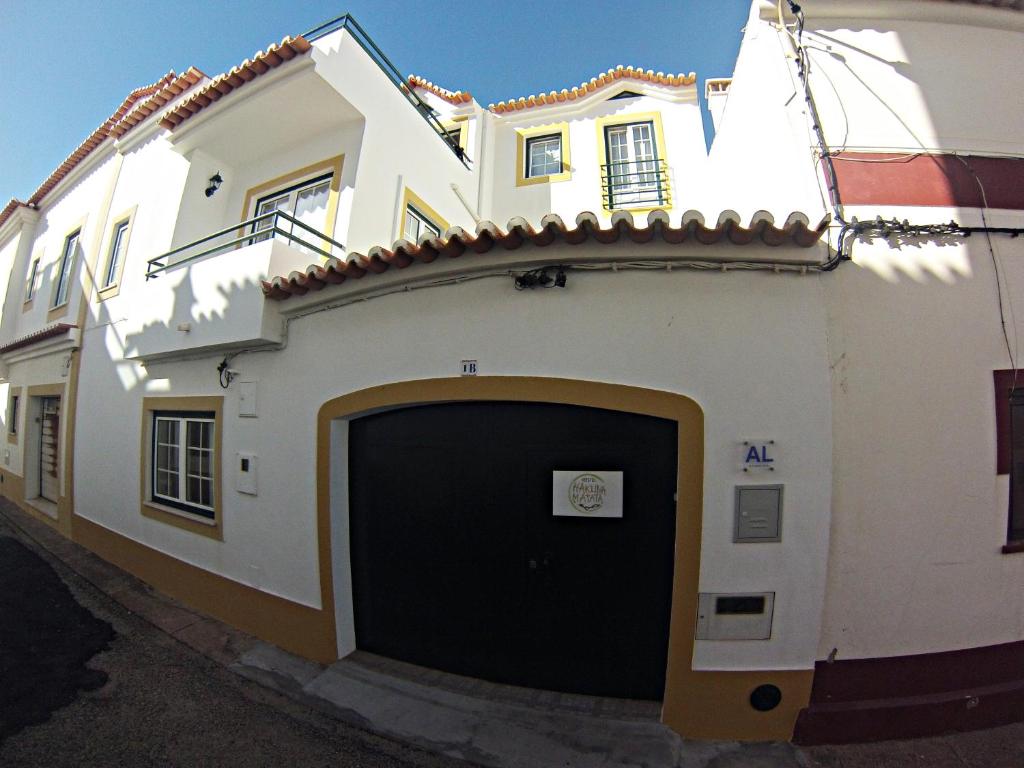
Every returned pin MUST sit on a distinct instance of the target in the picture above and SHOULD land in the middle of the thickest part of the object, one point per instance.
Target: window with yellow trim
(542, 154)
(418, 219)
(181, 462)
(115, 259)
(634, 167)
(30, 281)
(418, 224)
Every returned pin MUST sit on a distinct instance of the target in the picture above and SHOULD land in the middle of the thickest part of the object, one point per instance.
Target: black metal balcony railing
(349, 24)
(249, 232)
(635, 184)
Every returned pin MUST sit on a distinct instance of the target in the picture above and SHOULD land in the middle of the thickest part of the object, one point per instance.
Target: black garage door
(459, 564)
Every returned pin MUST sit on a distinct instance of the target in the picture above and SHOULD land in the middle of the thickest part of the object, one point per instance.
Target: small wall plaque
(586, 493)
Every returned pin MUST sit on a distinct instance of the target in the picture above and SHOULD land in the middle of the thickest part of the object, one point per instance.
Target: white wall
(399, 149)
(919, 514)
(78, 201)
(917, 84)
(684, 139)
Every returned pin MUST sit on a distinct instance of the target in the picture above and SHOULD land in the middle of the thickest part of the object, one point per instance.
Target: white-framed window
(633, 171)
(183, 461)
(118, 245)
(30, 283)
(67, 261)
(306, 202)
(543, 156)
(417, 224)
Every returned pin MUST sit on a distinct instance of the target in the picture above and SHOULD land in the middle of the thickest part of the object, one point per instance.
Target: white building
(726, 439)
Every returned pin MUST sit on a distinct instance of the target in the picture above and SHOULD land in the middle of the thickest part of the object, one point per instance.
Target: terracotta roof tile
(603, 79)
(452, 97)
(95, 139)
(34, 338)
(261, 63)
(9, 209)
(170, 91)
(518, 232)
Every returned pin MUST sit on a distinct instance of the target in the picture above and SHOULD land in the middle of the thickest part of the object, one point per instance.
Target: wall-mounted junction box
(735, 616)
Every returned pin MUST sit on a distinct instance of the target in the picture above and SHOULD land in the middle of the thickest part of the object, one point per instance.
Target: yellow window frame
(659, 137)
(551, 129)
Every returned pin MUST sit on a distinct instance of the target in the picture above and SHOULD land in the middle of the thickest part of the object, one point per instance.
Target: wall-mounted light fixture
(215, 182)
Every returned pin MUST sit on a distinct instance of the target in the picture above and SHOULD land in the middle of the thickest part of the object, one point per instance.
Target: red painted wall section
(874, 178)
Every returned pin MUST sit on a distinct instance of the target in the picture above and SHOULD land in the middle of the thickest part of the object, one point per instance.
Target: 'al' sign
(757, 455)
(586, 493)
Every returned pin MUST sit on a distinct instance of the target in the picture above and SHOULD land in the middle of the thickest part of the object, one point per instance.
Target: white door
(633, 174)
(49, 449)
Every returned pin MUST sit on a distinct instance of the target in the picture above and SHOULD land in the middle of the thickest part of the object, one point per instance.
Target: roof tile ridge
(589, 86)
(457, 241)
(248, 70)
(453, 97)
(170, 90)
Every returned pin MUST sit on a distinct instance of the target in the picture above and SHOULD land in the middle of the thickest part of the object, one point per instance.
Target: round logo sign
(587, 492)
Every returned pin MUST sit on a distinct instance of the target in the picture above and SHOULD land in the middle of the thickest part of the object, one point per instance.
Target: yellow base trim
(306, 631)
(716, 705)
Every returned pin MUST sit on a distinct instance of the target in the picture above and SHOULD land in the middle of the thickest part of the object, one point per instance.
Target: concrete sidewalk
(487, 724)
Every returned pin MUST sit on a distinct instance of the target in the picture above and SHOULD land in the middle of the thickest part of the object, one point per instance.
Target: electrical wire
(877, 227)
(1011, 350)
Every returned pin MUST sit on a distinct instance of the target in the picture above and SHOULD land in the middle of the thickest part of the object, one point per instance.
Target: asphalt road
(166, 705)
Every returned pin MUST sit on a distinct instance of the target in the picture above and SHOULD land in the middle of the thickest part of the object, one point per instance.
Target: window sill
(181, 519)
(1014, 546)
(552, 178)
(58, 311)
(108, 291)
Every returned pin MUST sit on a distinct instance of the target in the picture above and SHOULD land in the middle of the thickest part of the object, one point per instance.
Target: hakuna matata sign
(584, 493)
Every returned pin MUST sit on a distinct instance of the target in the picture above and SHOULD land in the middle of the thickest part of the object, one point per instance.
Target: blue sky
(67, 64)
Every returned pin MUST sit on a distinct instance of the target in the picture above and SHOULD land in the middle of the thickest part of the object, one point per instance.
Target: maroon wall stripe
(875, 178)
(1004, 383)
(911, 696)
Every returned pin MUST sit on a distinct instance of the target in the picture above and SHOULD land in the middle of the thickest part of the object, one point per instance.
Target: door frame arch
(697, 704)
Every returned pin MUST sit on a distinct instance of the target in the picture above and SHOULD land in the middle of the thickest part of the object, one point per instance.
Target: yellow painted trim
(462, 123)
(411, 198)
(659, 138)
(59, 310)
(152, 509)
(522, 134)
(12, 486)
(14, 392)
(27, 304)
(702, 705)
(65, 457)
(46, 390)
(332, 164)
(71, 407)
(104, 292)
(297, 628)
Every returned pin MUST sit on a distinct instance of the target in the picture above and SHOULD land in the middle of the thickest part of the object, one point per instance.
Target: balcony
(635, 184)
(206, 296)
